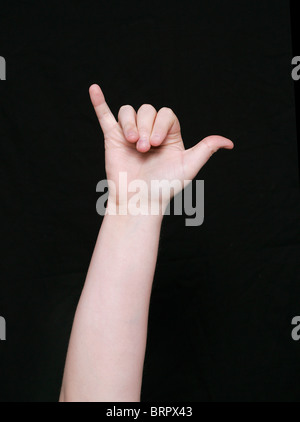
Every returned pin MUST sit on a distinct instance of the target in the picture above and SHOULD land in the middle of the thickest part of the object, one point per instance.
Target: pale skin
(107, 345)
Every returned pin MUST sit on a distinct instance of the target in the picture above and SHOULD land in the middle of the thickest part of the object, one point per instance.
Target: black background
(225, 292)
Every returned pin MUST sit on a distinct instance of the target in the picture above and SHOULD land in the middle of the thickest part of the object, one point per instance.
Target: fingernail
(155, 138)
(143, 144)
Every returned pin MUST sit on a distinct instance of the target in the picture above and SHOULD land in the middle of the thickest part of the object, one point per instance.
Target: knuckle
(167, 110)
(147, 108)
(210, 146)
(123, 108)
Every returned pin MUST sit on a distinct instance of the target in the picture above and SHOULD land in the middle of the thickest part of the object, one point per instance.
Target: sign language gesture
(108, 340)
(147, 144)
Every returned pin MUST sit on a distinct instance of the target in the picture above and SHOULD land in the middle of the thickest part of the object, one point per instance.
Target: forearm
(108, 340)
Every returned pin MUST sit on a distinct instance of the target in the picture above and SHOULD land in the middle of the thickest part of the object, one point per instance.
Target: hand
(148, 146)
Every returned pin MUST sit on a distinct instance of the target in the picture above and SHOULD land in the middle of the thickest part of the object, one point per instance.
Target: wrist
(128, 225)
(153, 210)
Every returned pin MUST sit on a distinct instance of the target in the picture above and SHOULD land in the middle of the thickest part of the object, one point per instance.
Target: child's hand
(147, 145)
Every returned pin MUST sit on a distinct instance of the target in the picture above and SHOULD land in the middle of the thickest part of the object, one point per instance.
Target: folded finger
(166, 122)
(127, 121)
(145, 119)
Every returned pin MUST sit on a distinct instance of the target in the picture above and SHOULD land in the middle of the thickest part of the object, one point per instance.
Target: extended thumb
(198, 155)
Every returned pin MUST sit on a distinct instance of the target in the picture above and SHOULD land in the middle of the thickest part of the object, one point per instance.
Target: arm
(107, 345)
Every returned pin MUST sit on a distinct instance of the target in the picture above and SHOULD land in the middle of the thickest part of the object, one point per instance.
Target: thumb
(198, 155)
